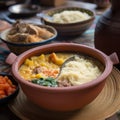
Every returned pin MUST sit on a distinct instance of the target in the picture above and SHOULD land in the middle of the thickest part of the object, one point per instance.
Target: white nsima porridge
(80, 71)
(68, 16)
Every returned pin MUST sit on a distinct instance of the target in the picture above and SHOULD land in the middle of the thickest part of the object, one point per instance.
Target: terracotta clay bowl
(19, 48)
(63, 98)
(68, 29)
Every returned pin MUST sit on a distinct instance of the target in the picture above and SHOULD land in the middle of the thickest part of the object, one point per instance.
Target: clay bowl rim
(2, 37)
(45, 12)
(107, 63)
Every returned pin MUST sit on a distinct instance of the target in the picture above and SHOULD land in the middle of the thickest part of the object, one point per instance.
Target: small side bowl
(14, 94)
(19, 48)
(68, 29)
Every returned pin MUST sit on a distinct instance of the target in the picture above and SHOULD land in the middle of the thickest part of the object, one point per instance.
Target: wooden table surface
(87, 38)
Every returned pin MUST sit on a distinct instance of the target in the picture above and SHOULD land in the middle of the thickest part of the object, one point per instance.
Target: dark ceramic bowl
(68, 29)
(62, 98)
(18, 48)
(9, 98)
(24, 9)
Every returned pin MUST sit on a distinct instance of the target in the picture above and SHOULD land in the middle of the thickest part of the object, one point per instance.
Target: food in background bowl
(27, 33)
(44, 69)
(70, 16)
(24, 36)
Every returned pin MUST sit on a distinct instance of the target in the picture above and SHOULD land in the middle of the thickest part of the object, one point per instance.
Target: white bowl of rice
(68, 21)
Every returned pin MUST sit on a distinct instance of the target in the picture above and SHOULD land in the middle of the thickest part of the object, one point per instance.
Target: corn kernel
(42, 57)
(38, 75)
(28, 62)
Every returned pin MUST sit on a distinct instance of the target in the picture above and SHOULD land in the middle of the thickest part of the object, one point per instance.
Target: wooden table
(87, 39)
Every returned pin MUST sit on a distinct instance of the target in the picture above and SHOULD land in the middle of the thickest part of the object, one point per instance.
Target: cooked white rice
(68, 16)
(80, 71)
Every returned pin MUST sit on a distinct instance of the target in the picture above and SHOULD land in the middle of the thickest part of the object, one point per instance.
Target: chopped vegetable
(6, 86)
(58, 61)
(51, 82)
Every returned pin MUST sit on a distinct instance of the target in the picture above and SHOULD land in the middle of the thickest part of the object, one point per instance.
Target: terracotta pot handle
(10, 58)
(114, 58)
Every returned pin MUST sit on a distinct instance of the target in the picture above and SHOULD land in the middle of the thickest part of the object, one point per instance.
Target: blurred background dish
(10, 88)
(14, 39)
(68, 29)
(24, 9)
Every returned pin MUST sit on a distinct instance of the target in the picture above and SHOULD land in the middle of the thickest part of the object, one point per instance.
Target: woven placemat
(105, 105)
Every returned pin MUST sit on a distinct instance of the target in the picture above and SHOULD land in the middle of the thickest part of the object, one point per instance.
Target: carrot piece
(9, 82)
(2, 96)
(6, 86)
(2, 92)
